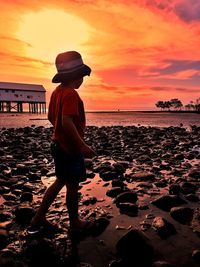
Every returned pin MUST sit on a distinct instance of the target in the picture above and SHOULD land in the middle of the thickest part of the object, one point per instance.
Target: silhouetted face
(78, 83)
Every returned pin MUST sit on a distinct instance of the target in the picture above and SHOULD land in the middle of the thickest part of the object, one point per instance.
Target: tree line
(176, 104)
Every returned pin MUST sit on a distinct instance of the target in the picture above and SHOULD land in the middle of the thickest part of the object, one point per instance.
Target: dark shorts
(68, 167)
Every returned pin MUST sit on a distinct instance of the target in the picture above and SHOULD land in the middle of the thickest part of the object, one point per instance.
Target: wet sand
(148, 161)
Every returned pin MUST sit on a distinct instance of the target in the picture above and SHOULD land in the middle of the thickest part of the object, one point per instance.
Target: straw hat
(70, 66)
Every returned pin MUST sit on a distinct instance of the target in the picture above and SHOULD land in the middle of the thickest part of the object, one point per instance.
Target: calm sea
(136, 118)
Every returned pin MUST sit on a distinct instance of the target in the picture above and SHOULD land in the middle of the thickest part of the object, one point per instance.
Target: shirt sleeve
(70, 104)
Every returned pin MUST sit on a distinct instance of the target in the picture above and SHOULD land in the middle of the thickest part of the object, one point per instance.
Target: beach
(142, 189)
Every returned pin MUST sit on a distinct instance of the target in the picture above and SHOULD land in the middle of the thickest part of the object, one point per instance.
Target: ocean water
(154, 119)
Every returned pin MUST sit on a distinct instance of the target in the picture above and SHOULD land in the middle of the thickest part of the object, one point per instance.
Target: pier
(18, 97)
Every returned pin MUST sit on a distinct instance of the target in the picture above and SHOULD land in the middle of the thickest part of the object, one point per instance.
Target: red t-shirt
(66, 101)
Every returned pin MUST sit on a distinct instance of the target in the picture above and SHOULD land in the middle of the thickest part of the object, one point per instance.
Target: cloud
(176, 69)
(187, 90)
(188, 10)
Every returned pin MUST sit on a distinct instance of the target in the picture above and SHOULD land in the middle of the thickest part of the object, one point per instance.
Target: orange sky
(140, 51)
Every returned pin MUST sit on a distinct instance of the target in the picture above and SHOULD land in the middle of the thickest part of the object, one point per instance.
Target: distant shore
(144, 111)
(120, 111)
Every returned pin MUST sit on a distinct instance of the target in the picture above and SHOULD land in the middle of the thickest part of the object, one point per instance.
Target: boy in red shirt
(66, 113)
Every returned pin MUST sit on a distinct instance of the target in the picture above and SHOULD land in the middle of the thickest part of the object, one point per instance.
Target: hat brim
(68, 76)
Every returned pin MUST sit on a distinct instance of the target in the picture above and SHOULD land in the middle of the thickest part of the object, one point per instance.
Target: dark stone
(128, 197)
(162, 264)
(4, 216)
(34, 177)
(23, 214)
(108, 175)
(116, 263)
(118, 183)
(196, 255)
(195, 173)
(8, 197)
(128, 209)
(166, 202)
(188, 188)
(182, 215)
(26, 196)
(3, 238)
(99, 226)
(163, 227)
(90, 174)
(161, 184)
(192, 197)
(135, 246)
(41, 252)
(11, 261)
(119, 168)
(174, 189)
(113, 192)
(179, 157)
(143, 176)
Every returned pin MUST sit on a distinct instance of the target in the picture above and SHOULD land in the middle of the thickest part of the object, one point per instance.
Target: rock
(21, 169)
(196, 255)
(161, 184)
(188, 188)
(144, 184)
(3, 238)
(195, 173)
(41, 252)
(162, 264)
(192, 197)
(116, 263)
(166, 202)
(88, 163)
(4, 216)
(119, 168)
(8, 197)
(163, 227)
(90, 174)
(135, 247)
(115, 191)
(23, 214)
(34, 177)
(89, 200)
(174, 189)
(26, 196)
(179, 157)
(128, 197)
(182, 215)
(6, 225)
(118, 183)
(143, 176)
(128, 209)
(99, 226)
(195, 224)
(108, 175)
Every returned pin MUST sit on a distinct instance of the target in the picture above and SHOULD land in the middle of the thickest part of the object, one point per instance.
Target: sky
(140, 51)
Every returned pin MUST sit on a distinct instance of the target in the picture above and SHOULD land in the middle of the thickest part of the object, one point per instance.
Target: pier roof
(22, 86)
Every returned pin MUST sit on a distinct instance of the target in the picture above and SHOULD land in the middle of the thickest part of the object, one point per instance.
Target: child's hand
(88, 152)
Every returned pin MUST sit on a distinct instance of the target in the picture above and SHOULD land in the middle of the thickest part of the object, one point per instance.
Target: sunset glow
(140, 52)
(50, 31)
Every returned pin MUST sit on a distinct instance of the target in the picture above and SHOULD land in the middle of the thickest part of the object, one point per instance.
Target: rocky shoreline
(142, 190)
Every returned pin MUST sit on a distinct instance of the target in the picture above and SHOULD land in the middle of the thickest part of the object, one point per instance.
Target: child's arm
(74, 138)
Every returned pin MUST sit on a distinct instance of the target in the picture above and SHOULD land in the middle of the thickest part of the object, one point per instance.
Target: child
(66, 113)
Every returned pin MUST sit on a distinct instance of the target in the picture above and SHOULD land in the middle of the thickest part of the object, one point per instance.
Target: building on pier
(15, 96)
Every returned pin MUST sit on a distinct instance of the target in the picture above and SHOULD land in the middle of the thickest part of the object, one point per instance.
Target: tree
(167, 104)
(176, 103)
(160, 104)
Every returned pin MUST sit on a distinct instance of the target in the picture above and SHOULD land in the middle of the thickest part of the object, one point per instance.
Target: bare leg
(48, 199)
(72, 203)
